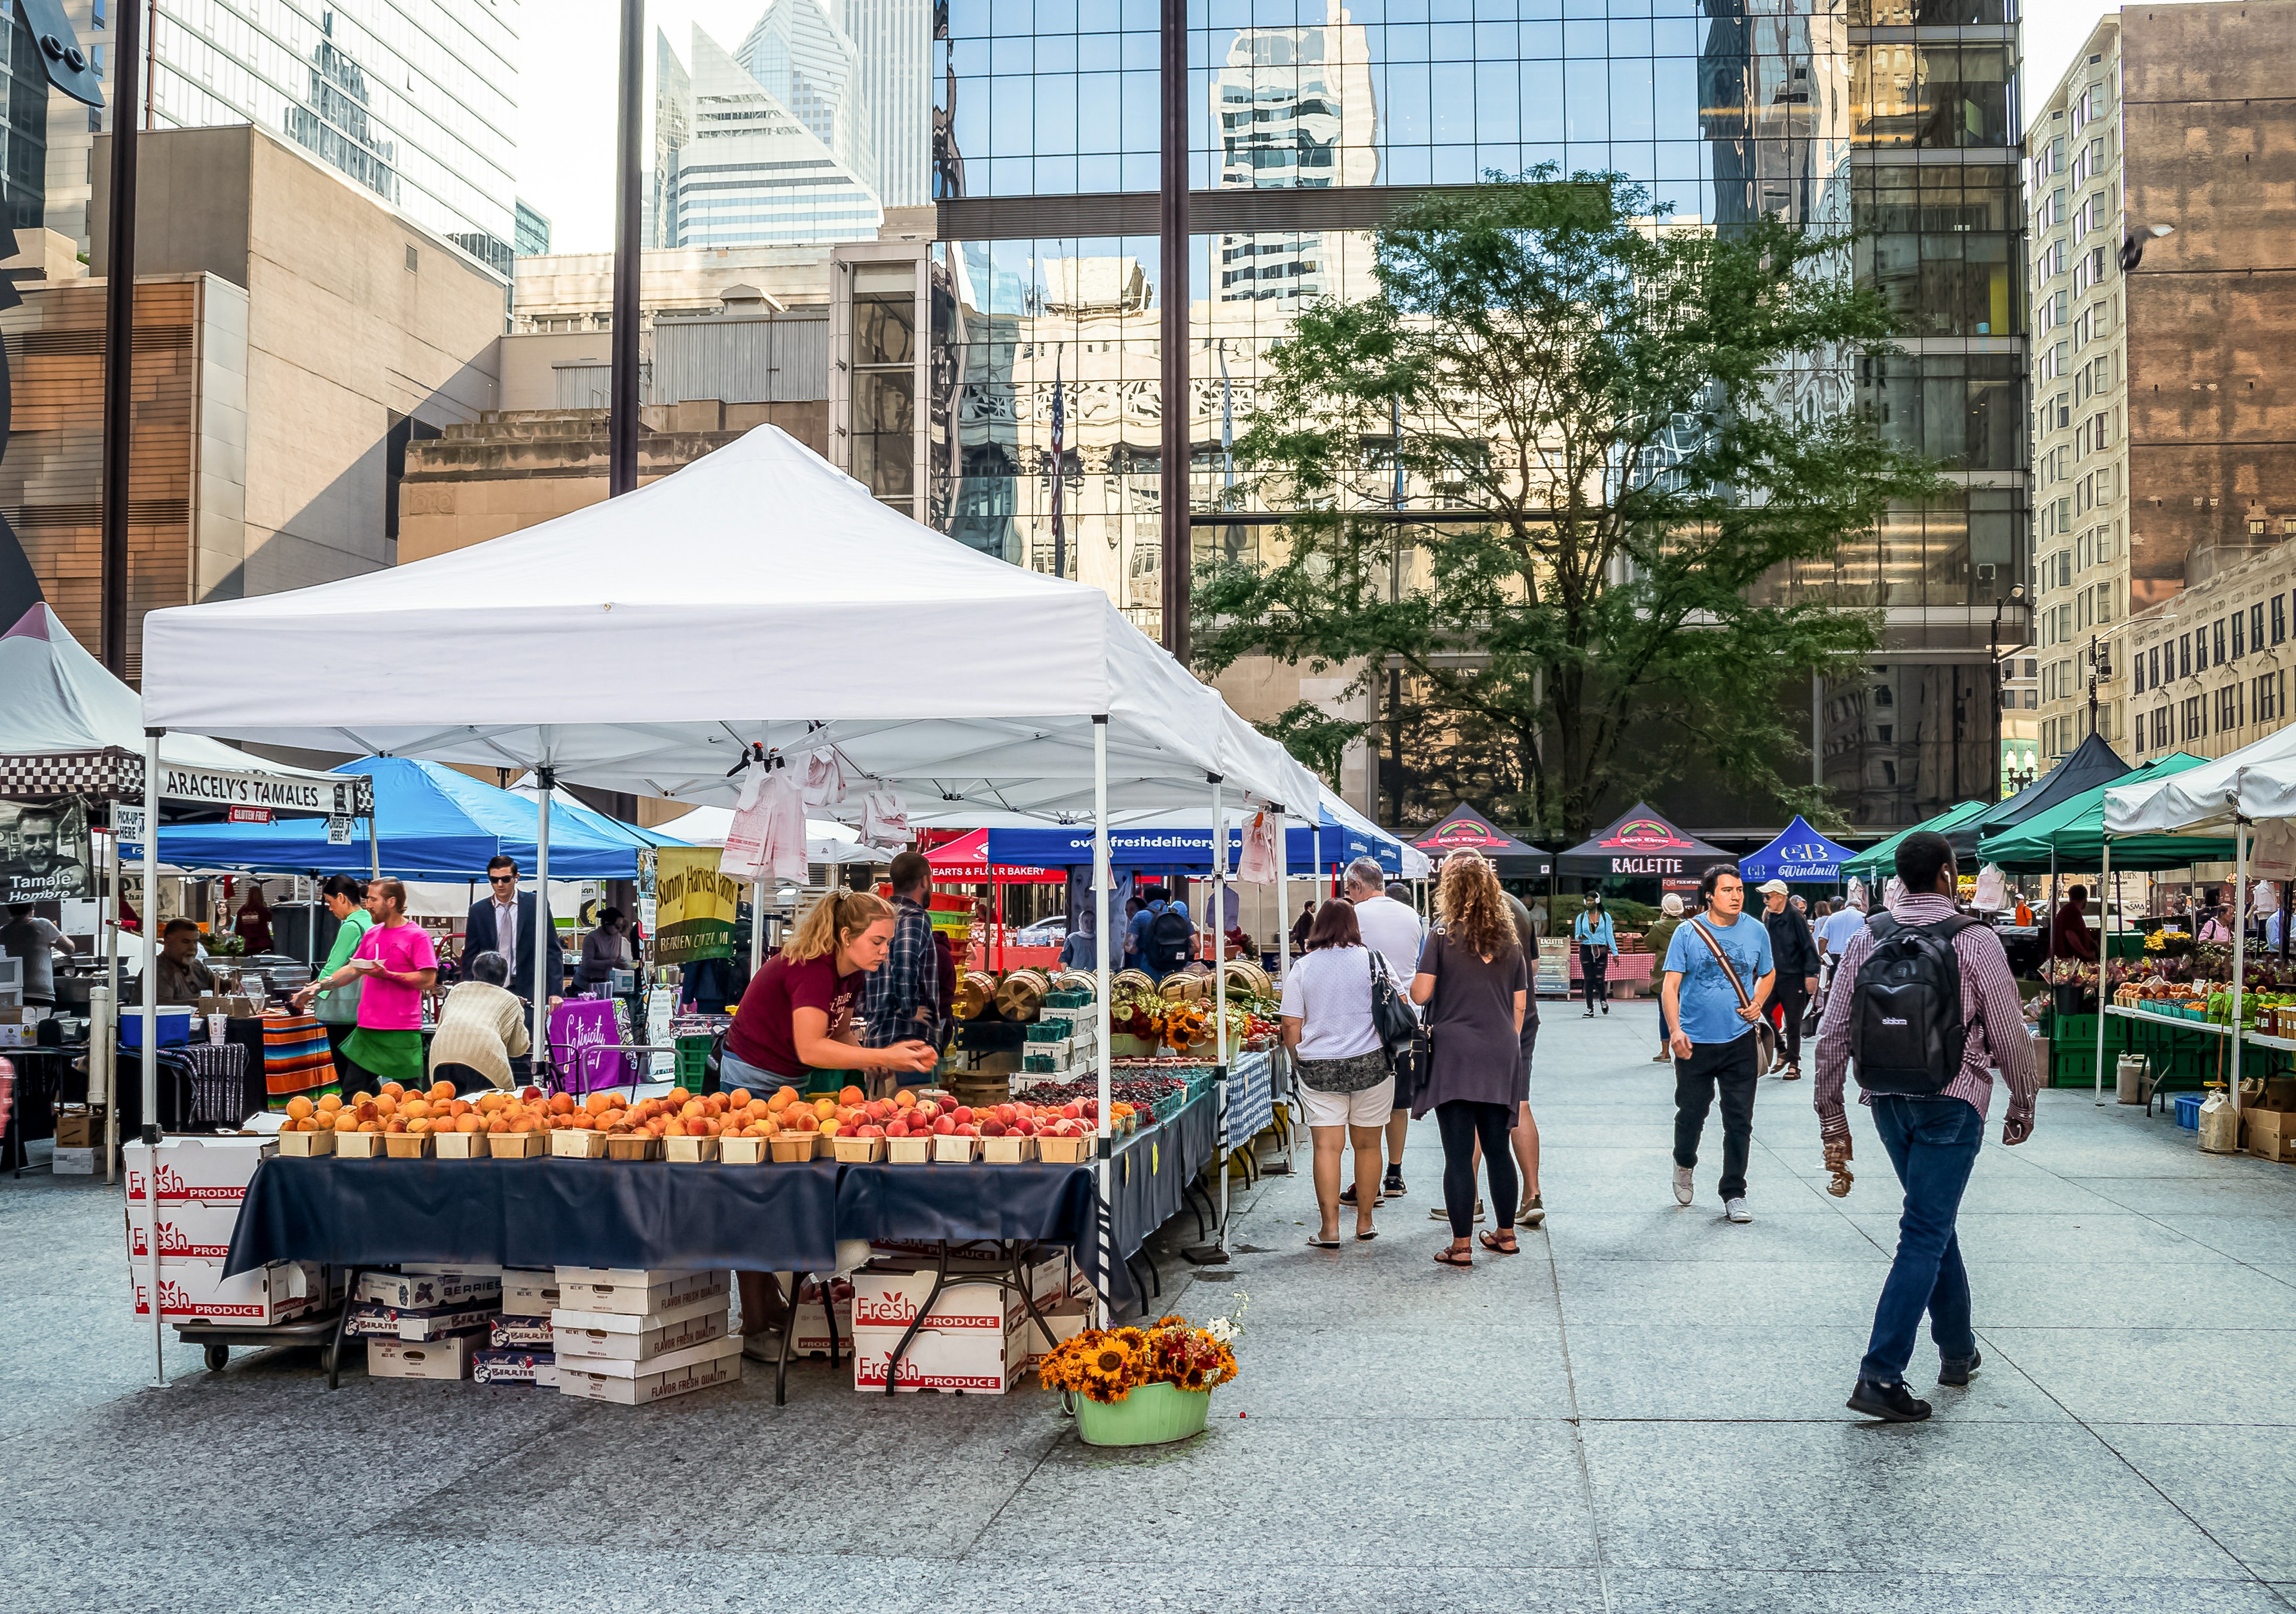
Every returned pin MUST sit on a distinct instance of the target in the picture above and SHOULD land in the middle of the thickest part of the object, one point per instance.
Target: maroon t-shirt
(763, 1033)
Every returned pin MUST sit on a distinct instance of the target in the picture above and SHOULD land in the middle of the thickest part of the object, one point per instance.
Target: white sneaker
(1682, 1192)
(1735, 1209)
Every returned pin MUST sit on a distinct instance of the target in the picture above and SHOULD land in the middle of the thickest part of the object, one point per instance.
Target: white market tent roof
(68, 727)
(758, 595)
(826, 841)
(2257, 782)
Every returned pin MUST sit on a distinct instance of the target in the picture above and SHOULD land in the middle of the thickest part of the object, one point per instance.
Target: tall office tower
(533, 230)
(752, 171)
(891, 40)
(24, 124)
(1893, 119)
(673, 117)
(2158, 174)
(806, 62)
(414, 100)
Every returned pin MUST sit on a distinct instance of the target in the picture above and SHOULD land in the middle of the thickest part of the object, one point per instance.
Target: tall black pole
(1172, 240)
(622, 419)
(119, 332)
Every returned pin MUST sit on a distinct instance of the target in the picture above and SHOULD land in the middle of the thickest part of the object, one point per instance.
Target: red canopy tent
(964, 861)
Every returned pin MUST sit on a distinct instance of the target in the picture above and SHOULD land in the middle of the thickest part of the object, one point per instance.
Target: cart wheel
(218, 1355)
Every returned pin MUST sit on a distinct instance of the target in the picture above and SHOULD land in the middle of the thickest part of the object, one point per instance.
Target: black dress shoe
(1958, 1373)
(1890, 1403)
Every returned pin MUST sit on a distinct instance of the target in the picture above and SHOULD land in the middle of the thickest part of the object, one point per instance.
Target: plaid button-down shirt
(1989, 1007)
(908, 981)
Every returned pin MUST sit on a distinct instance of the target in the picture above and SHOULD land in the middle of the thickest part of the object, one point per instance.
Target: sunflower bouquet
(1107, 1364)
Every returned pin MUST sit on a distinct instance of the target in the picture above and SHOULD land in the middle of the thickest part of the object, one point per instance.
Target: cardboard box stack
(978, 1337)
(182, 1200)
(638, 1336)
(520, 1348)
(811, 1321)
(425, 1321)
(80, 1135)
(2268, 1118)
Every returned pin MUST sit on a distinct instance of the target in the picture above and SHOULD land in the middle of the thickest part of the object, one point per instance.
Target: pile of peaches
(434, 1109)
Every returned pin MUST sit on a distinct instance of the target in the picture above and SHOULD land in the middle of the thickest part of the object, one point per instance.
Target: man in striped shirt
(1932, 1141)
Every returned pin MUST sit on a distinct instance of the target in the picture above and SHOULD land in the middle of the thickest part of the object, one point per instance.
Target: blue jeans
(1933, 1143)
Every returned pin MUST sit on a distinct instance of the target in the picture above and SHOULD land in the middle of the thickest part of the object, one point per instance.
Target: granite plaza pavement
(1642, 1413)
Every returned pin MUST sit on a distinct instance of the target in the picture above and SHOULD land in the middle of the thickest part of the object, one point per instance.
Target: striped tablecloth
(296, 1058)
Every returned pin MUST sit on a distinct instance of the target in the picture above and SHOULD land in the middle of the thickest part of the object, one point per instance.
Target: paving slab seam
(2141, 1476)
(1577, 1432)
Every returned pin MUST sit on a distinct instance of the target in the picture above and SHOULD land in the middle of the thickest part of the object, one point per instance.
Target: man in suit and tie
(503, 922)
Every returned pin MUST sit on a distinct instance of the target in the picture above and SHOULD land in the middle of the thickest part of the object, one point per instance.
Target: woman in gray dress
(1474, 981)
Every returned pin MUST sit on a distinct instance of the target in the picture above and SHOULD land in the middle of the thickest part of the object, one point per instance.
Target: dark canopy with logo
(1463, 826)
(1642, 845)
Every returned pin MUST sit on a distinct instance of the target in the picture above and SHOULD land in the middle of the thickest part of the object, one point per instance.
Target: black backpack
(1906, 1030)
(1171, 940)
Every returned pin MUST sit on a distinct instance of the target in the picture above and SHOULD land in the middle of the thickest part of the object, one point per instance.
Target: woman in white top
(1343, 1071)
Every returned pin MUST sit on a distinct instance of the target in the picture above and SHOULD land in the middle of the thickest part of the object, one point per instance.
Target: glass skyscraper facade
(415, 100)
(1310, 120)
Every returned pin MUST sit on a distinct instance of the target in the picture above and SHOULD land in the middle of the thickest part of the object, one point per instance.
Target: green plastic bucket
(1152, 1414)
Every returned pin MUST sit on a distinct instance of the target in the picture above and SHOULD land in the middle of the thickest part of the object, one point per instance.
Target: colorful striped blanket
(296, 1058)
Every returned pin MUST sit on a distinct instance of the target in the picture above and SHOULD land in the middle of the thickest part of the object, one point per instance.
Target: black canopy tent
(1463, 827)
(1642, 845)
(2093, 764)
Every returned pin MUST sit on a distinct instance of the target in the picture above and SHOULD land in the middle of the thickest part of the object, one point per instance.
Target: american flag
(1059, 467)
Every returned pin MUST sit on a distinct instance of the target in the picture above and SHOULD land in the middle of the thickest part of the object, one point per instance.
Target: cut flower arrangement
(1106, 1366)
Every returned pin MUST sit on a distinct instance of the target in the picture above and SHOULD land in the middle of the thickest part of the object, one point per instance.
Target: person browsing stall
(1345, 1079)
(901, 1001)
(481, 1027)
(337, 1009)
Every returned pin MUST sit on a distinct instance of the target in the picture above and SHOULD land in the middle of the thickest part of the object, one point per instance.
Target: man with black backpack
(1931, 1005)
(1163, 937)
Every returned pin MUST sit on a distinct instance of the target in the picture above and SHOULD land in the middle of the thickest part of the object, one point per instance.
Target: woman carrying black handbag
(1331, 1018)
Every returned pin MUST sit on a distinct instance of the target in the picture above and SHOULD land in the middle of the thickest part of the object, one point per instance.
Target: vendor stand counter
(669, 1215)
(2186, 1053)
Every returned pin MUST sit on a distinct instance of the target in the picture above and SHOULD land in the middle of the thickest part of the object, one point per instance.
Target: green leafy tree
(1639, 422)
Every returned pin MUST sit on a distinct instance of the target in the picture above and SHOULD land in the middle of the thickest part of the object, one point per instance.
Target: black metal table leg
(789, 1337)
(940, 1280)
(1016, 1253)
(343, 1323)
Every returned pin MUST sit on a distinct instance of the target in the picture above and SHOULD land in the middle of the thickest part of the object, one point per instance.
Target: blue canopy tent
(1307, 849)
(1799, 856)
(432, 823)
(565, 806)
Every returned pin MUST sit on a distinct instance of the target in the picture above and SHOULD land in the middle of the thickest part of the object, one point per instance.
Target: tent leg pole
(1217, 900)
(1104, 919)
(2239, 841)
(150, 1049)
(2103, 973)
(105, 1032)
(539, 1038)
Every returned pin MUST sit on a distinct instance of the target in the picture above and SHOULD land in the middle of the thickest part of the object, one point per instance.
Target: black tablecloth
(1038, 1204)
(548, 1212)
(1150, 1170)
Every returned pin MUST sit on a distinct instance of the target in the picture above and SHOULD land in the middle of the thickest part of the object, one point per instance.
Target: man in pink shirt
(1932, 1136)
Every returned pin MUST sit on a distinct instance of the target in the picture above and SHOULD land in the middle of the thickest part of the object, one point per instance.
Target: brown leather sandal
(1448, 1256)
(1491, 1242)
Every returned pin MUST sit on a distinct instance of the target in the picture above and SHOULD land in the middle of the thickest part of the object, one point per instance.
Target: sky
(566, 93)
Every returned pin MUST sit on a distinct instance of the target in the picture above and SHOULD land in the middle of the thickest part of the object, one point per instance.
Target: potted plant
(1143, 1386)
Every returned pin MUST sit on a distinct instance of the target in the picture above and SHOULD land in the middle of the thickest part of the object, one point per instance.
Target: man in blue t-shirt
(1711, 1026)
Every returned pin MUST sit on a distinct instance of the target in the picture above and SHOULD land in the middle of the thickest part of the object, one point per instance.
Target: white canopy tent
(758, 598)
(826, 841)
(2252, 793)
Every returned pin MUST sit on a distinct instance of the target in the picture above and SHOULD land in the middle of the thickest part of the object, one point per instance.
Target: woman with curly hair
(1474, 981)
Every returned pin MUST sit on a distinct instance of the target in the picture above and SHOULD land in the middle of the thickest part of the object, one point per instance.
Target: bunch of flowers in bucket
(1106, 1366)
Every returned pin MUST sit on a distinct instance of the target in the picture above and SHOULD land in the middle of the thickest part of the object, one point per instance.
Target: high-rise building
(1891, 122)
(2158, 173)
(804, 62)
(532, 229)
(673, 121)
(891, 40)
(413, 100)
(24, 124)
(754, 169)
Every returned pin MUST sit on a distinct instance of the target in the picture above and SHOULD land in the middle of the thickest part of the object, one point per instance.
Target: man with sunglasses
(504, 922)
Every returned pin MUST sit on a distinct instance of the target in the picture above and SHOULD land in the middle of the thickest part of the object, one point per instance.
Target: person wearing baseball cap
(1796, 953)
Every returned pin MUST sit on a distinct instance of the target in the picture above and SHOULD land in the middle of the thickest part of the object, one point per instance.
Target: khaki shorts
(1368, 1108)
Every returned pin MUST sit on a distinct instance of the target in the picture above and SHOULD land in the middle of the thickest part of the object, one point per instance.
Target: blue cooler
(175, 1027)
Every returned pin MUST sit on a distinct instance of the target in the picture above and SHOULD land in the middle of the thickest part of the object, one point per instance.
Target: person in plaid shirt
(902, 1000)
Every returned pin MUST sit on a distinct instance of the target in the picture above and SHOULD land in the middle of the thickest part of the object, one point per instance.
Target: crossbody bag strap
(1746, 1001)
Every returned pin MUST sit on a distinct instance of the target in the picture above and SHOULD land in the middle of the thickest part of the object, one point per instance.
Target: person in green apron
(337, 1008)
(395, 964)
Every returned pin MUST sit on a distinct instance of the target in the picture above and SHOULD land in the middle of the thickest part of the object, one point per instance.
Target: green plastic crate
(1067, 1000)
(692, 1062)
(1058, 1030)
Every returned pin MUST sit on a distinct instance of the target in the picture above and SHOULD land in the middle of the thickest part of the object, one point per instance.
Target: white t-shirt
(1394, 929)
(1329, 993)
(1837, 931)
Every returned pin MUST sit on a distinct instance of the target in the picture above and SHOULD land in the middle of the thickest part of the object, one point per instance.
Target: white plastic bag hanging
(1260, 862)
(2273, 854)
(1891, 892)
(884, 818)
(825, 778)
(745, 837)
(1992, 890)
